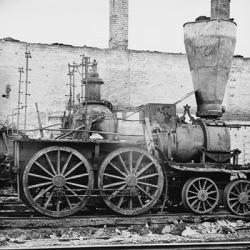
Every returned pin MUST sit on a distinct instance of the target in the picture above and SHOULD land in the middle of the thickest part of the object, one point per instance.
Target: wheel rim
(237, 197)
(130, 181)
(200, 195)
(57, 181)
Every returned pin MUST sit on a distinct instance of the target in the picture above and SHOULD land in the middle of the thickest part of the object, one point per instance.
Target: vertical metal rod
(39, 121)
(20, 70)
(86, 86)
(27, 56)
(82, 64)
(73, 84)
(86, 64)
(70, 90)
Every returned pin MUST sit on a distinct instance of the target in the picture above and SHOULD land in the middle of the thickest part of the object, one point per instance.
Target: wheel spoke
(138, 163)
(147, 184)
(211, 198)
(48, 200)
(194, 202)
(241, 187)
(198, 206)
(58, 161)
(139, 198)
(76, 176)
(114, 176)
(233, 199)
(123, 164)
(73, 192)
(199, 184)
(43, 192)
(237, 190)
(40, 176)
(144, 169)
(209, 203)
(212, 192)
(43, 168)
(147, 176)
(238, 207)
(192, 197)
(232, 193)
(40, 185)
(73, 169)
(204, 206)
(145, 192)
(120, 201)
(66, 163)
(116, 192)
(114, 184)
(192, 192)
(77, 185)
(233, 205)
(210, 186)
(50, 163)
(131, 161)
(68, 201)
(195, 188)
(116, 168)
(204, 184)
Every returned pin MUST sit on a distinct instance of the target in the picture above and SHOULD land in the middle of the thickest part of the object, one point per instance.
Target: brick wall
(118, 24)
(131, 78)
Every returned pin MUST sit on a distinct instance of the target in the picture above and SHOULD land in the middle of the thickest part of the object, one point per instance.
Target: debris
(189, 232)
(118, 231)
(126, 234)
(166, 230)
(17, 240)
(3, 239)
(178, 228)
(240, 223)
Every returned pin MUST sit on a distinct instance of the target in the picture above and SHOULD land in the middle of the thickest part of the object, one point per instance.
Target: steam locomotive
(175, 163)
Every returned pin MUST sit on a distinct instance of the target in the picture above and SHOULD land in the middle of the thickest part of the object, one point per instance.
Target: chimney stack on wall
(118, 24)
(220, 9)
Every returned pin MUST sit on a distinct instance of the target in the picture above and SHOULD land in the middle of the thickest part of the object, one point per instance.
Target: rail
(187, 246)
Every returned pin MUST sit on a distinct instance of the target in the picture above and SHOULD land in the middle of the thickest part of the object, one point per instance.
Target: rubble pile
(177, 231)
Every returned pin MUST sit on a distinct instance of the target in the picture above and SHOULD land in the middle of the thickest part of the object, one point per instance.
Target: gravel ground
(177, 231)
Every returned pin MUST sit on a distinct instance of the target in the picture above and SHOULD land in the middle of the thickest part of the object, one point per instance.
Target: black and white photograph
(124, 124)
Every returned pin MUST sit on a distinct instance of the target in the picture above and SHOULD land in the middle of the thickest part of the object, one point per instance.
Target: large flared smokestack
(210, 46)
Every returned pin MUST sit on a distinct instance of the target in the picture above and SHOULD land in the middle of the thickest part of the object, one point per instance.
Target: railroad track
(233, 245)
(16, 214)
(34, 221)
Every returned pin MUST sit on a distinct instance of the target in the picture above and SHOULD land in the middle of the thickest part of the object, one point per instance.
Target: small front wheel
(236, 197)
(200, 195)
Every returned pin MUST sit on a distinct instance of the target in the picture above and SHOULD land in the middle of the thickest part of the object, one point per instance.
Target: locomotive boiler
(177, 163)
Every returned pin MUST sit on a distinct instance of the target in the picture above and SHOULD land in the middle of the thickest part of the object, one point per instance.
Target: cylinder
(220, 9)
(190, 139)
